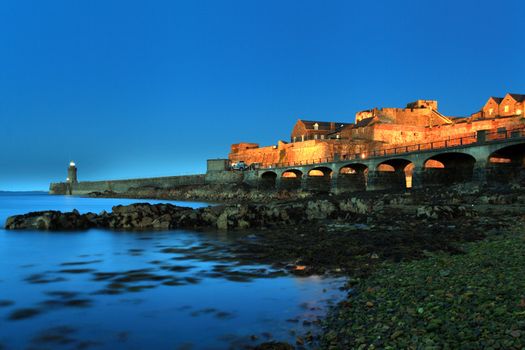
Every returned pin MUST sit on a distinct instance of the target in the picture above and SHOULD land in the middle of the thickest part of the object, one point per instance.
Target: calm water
(152, 290)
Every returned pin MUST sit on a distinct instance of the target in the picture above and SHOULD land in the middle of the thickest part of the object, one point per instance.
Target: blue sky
(151, 88)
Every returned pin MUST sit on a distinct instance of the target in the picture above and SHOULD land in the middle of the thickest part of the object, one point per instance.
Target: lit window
(316, 126)
(518, 111)
(491, 110)
(506, 108)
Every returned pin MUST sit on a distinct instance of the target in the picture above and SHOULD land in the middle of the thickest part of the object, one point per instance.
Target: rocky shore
(208, 193)
(144, 216)
(378, 240)
(336, 233)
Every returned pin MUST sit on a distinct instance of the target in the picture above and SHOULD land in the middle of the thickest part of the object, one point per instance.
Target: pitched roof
(518, 97)
(497, 99)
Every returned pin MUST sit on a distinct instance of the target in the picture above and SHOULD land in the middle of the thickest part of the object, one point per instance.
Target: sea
(178, 289)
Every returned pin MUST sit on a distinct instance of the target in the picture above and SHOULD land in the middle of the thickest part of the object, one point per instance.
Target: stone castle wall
(364, 139)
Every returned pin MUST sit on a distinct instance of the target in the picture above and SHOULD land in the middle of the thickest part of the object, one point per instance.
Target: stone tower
(72, 173)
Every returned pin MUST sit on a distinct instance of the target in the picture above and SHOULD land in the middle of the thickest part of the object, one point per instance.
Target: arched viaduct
(482, 161)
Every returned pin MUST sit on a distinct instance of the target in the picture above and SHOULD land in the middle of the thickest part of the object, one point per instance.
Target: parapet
(432, 104)
(238, 147)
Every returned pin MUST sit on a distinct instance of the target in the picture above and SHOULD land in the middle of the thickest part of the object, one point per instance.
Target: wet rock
(355, 205)
(274, 346)
(222, 221)
(49, 221)
(435, 212)
(320, 209)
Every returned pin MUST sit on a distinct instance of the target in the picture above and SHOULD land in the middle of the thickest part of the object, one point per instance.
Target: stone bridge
(484, 157)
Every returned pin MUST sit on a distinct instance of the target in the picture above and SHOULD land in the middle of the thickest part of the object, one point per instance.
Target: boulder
(50, 220)
(319, 210)
(355, 205)
(435, 212)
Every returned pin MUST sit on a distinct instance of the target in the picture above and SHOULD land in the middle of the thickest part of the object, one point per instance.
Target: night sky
(152, 88)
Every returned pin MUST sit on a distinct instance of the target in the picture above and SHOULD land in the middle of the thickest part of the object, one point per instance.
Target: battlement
(432, 104)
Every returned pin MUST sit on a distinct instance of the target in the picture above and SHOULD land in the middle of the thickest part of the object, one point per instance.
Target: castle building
(381, 128)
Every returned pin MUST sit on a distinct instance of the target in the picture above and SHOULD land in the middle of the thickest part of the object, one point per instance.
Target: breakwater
(212, 177)
(86, 187)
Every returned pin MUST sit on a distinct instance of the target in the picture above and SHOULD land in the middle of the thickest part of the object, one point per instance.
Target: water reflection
(180, 289)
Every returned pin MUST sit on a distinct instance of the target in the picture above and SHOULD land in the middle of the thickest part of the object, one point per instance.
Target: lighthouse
(72, 173)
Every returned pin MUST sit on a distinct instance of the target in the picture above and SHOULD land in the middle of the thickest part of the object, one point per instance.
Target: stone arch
(268, 180)
(507, 164)
(394, 173)
(353, 168)
(352, 177)
(448, 168)
(320, 171)
(319, 179)
(291, 179)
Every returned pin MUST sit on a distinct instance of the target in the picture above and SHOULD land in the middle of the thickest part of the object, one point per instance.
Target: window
(491, 110)
(518, 111)
(315, 136)
(506, 108)
(316, 126)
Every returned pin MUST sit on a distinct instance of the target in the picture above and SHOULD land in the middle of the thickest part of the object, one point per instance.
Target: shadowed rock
(144, 216)
(51, 220)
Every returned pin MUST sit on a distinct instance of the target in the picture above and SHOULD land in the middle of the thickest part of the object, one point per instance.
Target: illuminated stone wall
(364, 139)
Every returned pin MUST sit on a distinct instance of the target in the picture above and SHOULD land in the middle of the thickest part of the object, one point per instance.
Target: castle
(381, 129)
(386, 148)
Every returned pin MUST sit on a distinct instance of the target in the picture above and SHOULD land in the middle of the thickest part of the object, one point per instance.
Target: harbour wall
(119, 186)
(217, 174)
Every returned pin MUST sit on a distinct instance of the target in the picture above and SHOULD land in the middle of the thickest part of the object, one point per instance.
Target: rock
(515, 333)
(243, 224)
(444, 212)
(426, 212)
(274, 346)
(299, 341)
(321, 209)
(355, 205)
(222, 221)
(50, 221)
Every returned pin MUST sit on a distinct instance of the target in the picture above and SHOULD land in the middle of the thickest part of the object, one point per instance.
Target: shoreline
(469, 300)
(358, 237)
